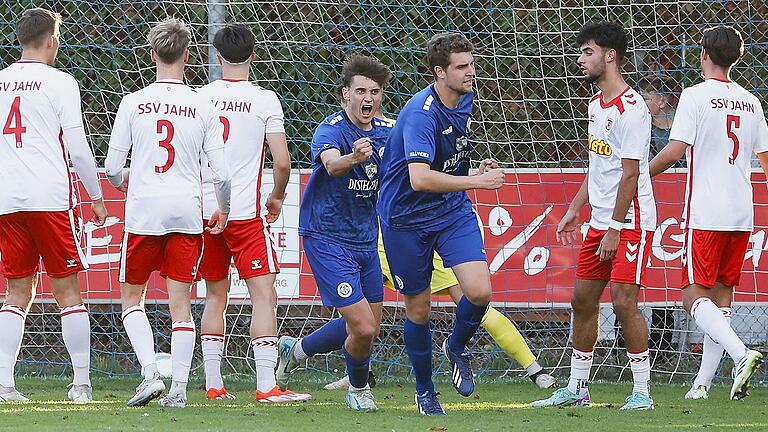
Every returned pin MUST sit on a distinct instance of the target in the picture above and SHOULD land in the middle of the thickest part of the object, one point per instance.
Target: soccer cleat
(278, 396)
(743, 372)
(343, 382)
(699, 392)
(463, 381)
(429, 404)
(172, 401)
(564, 397)
(287, 363)
(149, 389)
(80, 393)
(543, 380)
(637, 402)
(219, 394)
(361, 400)
(10, 394)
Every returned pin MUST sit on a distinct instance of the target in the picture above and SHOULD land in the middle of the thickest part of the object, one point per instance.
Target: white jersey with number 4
(247, 112)
(723, 124)
(168, 126)
(619, 129)
(37, 102)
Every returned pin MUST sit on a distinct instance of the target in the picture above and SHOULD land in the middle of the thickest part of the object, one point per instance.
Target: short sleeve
(634, 133)
(761, 134)
(326, 137)
(120, 139)
(214, 130)
(69, 109)
(419, 136)
(684, 124)
(275, 122)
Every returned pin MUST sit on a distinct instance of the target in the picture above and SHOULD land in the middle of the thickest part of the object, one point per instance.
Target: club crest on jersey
(600, 147)
(461, 143)
(608, 124)
(371, 171)
(344, 290)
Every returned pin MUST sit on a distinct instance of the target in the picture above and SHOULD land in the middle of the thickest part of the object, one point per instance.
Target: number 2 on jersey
(733, 122)
(14, 117)
(166, 144)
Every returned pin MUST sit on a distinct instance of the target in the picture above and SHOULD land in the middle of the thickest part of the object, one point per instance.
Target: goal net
(529, 114)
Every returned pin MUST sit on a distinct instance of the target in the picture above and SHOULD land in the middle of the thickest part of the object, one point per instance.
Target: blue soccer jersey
(343, 209)
(426, 131)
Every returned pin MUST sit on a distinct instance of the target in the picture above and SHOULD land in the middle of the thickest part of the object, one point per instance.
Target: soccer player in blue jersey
(424, 207)
(339, 226)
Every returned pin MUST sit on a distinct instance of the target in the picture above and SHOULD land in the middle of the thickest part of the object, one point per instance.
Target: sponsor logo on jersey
(448, 131)
(344, 290)
(461, 143)
(256, 264)
(335, 120)
(420, 154)
(600, 147)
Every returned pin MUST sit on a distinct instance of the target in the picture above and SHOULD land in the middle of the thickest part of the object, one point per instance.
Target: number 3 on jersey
(733, 122)
(166, 144)
(14, 117)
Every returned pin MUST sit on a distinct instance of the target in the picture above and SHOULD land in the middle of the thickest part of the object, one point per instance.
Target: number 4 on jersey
(13, 124)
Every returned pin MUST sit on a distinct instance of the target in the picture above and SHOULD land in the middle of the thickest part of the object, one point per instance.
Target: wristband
(615, 225)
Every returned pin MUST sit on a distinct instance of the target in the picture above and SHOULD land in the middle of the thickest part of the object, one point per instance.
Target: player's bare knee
(625, 306)
(479, 297)
(583, 306)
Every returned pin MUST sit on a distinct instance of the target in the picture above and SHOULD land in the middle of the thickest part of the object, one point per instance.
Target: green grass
(494, 407)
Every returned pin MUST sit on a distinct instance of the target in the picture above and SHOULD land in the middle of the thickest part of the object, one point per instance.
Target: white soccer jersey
(619, 129)
(37, 102)
(724, 124)
(168, 126)
(247, 112)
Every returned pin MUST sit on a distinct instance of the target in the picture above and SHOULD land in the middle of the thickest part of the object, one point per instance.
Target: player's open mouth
(367, 109)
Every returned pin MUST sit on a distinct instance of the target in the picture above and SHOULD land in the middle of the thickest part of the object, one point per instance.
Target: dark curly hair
(605, 34)
(442, 45)
(365, 66)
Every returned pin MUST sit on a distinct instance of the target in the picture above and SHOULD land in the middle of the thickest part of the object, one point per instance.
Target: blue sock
(357, 370)
(418, 344)
(468, 317)
(328, 338)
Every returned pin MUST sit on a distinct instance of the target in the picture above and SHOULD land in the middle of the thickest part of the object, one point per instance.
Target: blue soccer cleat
(462, 377)
(429, 404)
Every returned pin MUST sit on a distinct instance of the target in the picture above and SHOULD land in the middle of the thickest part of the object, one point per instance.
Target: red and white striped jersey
(247, 112)
(37, 102)
(167, 126)
(619, 129)
(723, 124)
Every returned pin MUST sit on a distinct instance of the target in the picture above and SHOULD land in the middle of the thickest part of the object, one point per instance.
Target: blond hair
(36, 24)
(169, 39)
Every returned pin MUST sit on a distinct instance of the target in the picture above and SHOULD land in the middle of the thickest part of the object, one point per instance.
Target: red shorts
(713, 256)
(176, 255)
(54, 236)
(248, 241)
(629, 264)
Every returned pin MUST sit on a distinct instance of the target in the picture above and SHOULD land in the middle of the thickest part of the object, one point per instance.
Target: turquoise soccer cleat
(564, 397)
(637, 402)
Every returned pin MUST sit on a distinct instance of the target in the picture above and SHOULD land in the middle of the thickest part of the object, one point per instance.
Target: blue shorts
(344, 276)
(410, 253)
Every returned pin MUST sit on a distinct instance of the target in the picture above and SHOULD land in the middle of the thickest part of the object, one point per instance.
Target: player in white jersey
(168, 127)
(718, 125)
(617, 245)
(43, 130)
(253, 119)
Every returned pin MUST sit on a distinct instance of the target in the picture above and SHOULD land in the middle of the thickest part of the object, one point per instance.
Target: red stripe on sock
(130, 312)
(69, 312)
(212, 335)
(13, 311)
(189, 329)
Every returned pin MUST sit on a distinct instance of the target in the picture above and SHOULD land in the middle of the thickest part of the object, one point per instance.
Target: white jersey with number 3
(37, 102)
(724, 125)
(247, 112)
(168, 126)
(619, 129)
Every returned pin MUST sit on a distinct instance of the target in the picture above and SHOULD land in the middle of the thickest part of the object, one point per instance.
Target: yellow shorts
(442, 278)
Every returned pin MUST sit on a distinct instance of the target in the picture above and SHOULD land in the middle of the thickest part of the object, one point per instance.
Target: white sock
(12, 325)
(178, 389)
(534, 368)
(265, 355)
(182, 349)
(299, 353)
(581, 363)
(711, 356)
(709, 319)
(640, 363)
(140, 333)
(213, 347)
(76, 331)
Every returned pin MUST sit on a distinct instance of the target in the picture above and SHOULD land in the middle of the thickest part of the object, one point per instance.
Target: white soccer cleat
(342, 384)
(743, 372)
(286, 362)
(278, 396)
(361, 400)
(172, 401)
(149, 389)
(80, 393)
(698, 392)
(545, 381)
(10, 394)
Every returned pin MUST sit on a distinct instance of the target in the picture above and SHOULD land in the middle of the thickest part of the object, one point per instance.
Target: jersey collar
(613, 102)
(721, 80)
(169, 81)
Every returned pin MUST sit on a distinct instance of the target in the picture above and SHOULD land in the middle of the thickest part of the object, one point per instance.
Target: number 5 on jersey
(166, 127)
(14, 117)
(733, 122)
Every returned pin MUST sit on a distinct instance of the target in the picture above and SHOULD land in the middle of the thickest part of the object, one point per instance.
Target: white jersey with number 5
(247, 112)
(723, 124)
(168, 126)
(619, 129)
(37, 102)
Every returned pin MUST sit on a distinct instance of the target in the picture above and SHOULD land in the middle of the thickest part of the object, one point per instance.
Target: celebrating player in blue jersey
(424, 208)
(340, 228)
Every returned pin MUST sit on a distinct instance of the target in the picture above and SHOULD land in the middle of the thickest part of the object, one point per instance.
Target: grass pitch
(494, 407)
